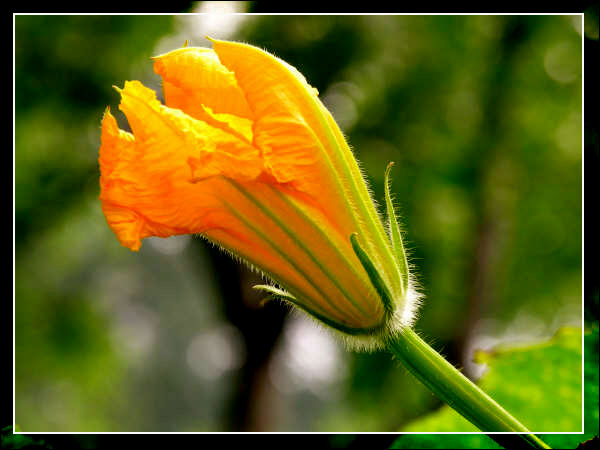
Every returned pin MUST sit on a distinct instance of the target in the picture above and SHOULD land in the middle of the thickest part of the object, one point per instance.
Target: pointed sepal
(272, 291)
(373, 273)
(395, 233)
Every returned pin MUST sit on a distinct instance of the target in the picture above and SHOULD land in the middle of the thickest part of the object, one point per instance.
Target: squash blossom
(245, 154)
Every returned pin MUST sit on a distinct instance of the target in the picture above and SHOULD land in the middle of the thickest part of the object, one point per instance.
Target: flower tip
(215, 41)
(355, 243)
(389, 168)
(118, 89)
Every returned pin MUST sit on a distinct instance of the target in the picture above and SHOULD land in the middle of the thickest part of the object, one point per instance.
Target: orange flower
(246, 155)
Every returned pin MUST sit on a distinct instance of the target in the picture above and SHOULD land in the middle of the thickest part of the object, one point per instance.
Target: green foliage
(9, 440)
(434, 441)
(63, 85)
(66, 364)
(540, 384)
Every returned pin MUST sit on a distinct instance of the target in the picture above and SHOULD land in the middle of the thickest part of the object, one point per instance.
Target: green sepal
(395, 234)
(284, 295)
(373, 273)
(275, 292)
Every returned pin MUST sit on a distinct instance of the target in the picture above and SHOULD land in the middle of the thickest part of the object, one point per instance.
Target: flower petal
(193, 76)
(271, 86)
(148, 182)
(289, 127)
(115, 145)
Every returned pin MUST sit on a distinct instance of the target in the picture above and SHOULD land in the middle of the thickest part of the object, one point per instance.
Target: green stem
(455, 389)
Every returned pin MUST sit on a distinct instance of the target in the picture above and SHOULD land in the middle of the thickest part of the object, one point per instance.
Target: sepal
(373, 273)
(395, 233)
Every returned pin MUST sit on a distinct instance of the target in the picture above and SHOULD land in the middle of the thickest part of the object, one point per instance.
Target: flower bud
(245, 154)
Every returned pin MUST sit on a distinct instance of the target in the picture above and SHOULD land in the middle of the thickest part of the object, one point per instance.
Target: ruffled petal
(116, 144)
(289, 128)
(150, 180)
(193, 77)
(271, 86)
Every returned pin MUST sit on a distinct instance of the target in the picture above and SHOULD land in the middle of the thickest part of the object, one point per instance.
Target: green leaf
(434, 441)
(539, 383)
(591, 381)
(10, 440)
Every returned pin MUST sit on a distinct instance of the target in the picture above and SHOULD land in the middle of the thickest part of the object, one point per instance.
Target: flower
(245, 154)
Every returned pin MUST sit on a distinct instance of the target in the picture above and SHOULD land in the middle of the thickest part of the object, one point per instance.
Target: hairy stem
(456, 390)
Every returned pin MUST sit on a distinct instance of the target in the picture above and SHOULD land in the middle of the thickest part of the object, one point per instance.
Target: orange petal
(149, 182)
(193, 76)
(289, 127)
(283, 239)
(115, 145)
(271, 86)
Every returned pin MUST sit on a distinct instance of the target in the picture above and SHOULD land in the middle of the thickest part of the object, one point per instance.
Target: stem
(455, 389)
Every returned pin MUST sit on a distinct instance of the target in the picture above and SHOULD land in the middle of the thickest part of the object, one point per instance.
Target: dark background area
(483, 118)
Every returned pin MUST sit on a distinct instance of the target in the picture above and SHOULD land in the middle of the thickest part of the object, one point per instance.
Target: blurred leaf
(10, 440)
(540, 384)
(63, 85)
(591, 381)
(444, 441)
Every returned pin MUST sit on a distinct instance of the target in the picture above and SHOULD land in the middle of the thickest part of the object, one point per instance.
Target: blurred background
(483, 118)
